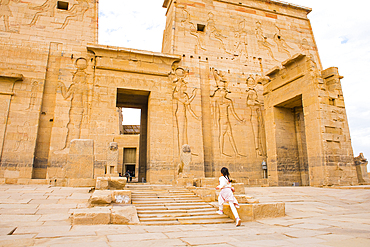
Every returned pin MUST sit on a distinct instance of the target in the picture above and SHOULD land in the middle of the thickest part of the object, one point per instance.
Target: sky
(341, 30)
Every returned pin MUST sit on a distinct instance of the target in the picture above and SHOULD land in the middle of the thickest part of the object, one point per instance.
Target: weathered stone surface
(250, 212)
(102, 183)
(80, 162)
(239, 188)
(121, 196)
(115, 183)
(242, 198)
(91, 216)
(101, 197)
(124, 215)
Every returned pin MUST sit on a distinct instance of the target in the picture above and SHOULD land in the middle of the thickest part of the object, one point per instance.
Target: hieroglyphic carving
(33, 96)
(256, 117)
(214, 32)
(281, 43)
(46, 9)
(241, 44)
(182, 104)
(222, 109)
(78, 93)
(76, 13)
(186, 20)
(262, 40)
(5, 13)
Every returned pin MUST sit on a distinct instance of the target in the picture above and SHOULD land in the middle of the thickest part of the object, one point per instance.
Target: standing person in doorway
(127, 175)
(226, 195)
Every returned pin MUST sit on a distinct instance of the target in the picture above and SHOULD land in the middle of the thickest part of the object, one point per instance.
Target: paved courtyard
(38, 216)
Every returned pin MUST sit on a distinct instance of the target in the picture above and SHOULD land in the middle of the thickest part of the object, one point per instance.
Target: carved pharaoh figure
(186, 20)
(224, 107)
(214, 32)
(77, 92)
(241, 44)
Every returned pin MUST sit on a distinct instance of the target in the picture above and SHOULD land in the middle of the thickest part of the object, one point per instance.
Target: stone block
(81, 182)
(91, 216)
(206, 194)
(209, 182)
(268, 210)
(121, 196)
(239, 188)
(117, 183)
(250, 212)
(245, 212)
(101, 197)
(124, 215)
(101, 183)
(185, 182)
(242, 198)
(80, 162)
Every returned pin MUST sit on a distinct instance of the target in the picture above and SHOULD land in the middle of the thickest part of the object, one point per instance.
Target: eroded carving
(281, 43)
(214, 33)
(33, 96)
(184, 166)
(182, 104)
(241, 44)
(186, 20)
(262, 40)
(5, 13)
(77, 92)
(46, 9)
(22, 135)
(76, 13)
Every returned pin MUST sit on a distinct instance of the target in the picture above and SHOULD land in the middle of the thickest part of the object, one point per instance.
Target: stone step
(198, 217)
(164, 195)
(171, 214)
(173, 205)
(167, 201)
(166, 211)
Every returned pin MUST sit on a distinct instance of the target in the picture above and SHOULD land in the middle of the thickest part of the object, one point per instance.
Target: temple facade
(238, 84)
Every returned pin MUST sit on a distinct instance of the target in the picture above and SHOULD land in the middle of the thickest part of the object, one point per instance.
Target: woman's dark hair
(225, 172)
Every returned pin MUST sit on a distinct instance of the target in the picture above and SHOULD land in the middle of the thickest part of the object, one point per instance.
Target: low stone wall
(105, 215)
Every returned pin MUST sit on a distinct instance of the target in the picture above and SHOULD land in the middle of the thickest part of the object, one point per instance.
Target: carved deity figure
(281, 43)
(241, 44)
(76, 13)
(255, 115)
(262, 40)
(77, 93)
(220, 78)
(33, 98)
(5, 13)
(46, 9)
(224, 107)
(183, 106)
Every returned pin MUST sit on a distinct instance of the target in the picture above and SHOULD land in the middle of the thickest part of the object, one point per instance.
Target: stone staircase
(168, 205)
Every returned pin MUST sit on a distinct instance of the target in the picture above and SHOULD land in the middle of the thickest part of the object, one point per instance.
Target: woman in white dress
(226, 195)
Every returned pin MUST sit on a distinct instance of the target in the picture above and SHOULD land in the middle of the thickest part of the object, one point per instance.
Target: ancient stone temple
(238, 84)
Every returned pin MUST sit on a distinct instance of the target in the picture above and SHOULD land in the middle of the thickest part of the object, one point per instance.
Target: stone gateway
(237, 83)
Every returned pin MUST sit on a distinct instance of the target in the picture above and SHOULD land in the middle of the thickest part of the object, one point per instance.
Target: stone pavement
(38, 216)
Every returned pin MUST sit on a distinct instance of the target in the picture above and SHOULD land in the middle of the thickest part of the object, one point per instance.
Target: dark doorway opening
(137, 99)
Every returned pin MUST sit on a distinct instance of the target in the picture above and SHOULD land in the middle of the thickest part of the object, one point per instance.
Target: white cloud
(341, 29)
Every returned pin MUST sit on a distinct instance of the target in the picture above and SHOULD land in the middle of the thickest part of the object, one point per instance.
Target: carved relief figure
(214, 33)
(22, 135)
(77, 93)
(305, 47)
(281, 44)
(220, 79)
(184, 166)
(76, 13)
(223, 108)
(262, 40)
(183, 105)
(186, 19)
(241, 44)
(5, 13)
(46, 9)
(255, 115)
